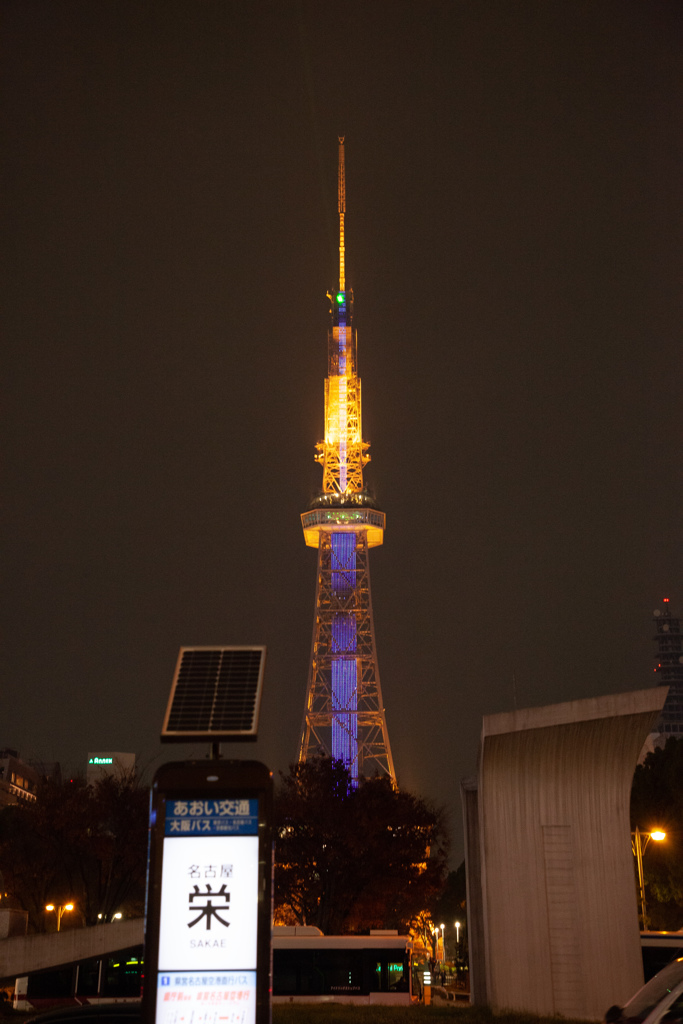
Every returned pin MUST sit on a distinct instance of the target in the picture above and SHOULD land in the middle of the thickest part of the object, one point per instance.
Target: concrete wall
(13, 922)
(36, 952)
(556, 904)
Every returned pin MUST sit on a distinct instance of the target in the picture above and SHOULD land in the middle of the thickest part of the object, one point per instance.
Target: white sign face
(209, 903)
(209, 913)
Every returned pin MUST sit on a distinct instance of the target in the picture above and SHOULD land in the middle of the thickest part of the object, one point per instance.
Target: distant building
(669, 670)
(108, 763)
(47, 769)
(18, 780)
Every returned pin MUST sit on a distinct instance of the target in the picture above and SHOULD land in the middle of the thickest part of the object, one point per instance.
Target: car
(661, 1000)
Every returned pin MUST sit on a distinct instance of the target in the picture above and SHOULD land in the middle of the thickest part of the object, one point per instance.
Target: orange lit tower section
(344, 715)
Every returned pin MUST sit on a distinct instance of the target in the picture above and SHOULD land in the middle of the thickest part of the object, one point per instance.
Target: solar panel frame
(215, 694)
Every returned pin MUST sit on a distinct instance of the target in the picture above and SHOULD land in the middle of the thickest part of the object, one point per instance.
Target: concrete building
(18, 780)
(551, 893)
(669, 671)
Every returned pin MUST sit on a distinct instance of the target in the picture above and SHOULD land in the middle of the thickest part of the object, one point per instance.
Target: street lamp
(457, 933)
(443, 945)
(639, 841)
(60, 910)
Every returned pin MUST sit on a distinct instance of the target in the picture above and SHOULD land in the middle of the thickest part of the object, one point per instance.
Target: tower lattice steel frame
(344, 714)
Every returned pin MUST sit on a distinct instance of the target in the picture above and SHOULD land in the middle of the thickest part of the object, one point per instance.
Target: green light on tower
(340, 297)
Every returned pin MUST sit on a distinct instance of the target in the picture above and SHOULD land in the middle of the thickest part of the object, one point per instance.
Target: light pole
(457, 934)
(639, 841)
(60, 910)
(443, 945)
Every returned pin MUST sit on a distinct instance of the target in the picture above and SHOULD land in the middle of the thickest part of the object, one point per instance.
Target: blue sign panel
(211, 818)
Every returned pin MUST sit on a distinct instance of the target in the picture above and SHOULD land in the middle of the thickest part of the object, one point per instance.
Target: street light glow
(60, 910)
(639, 841)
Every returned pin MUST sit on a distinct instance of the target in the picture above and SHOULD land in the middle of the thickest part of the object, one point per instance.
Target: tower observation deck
(344, 715)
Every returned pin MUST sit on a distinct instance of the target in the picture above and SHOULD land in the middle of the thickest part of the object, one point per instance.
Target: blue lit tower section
(344, 715)
(344, 660)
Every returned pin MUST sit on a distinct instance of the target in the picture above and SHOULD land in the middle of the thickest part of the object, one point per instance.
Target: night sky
(170, 231)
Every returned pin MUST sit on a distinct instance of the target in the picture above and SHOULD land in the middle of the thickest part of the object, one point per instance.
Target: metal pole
(641, 880)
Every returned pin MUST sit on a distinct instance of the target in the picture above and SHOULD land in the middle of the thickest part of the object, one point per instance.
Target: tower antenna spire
(341, 206)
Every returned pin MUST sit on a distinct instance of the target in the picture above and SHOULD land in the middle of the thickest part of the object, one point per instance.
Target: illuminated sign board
(108, 762)
(209, 896)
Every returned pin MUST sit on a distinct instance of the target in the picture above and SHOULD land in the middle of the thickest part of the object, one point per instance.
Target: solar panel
(216, 694)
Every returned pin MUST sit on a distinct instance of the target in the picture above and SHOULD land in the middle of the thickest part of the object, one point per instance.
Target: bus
(309, 967)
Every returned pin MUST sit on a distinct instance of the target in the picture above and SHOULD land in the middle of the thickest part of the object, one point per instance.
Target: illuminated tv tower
(344, 715)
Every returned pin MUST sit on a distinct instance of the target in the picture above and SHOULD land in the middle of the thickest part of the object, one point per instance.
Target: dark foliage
(353, 858)
(77, 843)
(657, 802)
(451, 907)
(452, 903)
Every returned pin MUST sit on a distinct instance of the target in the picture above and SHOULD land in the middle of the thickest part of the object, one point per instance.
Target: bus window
(309, 978)
(121, 975)
(284, 972)
(397, 979)
(342, 970)
(389, 975)
(50, 984)
(88, 981)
